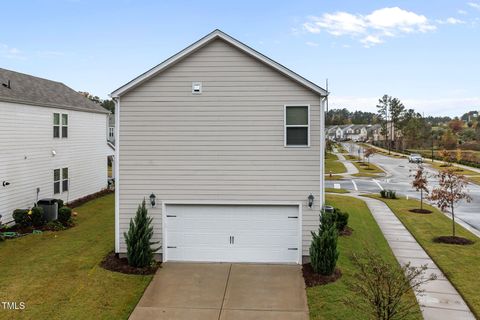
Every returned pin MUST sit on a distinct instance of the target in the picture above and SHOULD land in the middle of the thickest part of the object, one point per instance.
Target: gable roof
(217, 34)
(27, 89)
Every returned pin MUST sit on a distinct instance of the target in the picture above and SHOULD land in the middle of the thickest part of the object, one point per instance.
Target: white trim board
(217, 34)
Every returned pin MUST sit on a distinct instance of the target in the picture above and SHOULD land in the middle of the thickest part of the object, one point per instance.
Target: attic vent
(7, 85)
(196, 87)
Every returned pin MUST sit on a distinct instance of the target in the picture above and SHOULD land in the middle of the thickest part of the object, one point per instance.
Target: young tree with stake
(368, 153)
(450, 190)
(420, 183)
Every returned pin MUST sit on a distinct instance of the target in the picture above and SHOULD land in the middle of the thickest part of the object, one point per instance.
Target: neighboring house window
(56, 125)
(60, 180)
(56, 181)
(64, 179)
(111, 132)
(64, 125)
(297, 126)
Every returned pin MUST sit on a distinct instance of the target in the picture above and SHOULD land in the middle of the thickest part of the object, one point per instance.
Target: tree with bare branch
(384, 288)
(451, 189)
(368, 153)
(420, 183)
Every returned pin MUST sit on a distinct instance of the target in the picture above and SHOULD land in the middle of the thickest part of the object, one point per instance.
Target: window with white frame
(56, 181)
(111, 132)
(64, 179)
(60, 180)
(297, 126)
(56, 125)
(64, 125)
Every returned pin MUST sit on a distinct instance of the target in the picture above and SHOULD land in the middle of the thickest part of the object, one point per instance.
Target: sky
(426, 53)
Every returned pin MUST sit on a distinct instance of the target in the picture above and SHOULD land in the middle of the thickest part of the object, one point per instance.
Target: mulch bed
(314, 279)
(421, 211)
(96, 195)
(113, 262)
(347, 231)
(453, 240)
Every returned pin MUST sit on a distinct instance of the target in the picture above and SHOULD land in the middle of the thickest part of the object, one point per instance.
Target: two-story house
(52, 142)
(227, 147)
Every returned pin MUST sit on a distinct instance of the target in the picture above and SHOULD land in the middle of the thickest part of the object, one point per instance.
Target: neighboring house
(230, 145)
(52, 142)
(331, 133)
(374, 132)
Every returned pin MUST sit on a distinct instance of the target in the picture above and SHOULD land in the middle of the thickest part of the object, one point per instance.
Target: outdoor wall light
(310, 200)
(152, 199)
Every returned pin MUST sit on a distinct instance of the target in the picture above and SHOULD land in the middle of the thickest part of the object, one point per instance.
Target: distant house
(53, 142)
(374, 133)
(356, 133)
(229, 145)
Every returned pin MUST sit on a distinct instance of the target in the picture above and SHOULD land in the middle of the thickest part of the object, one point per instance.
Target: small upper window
(56, 125)
(64, 125)
(297, 126)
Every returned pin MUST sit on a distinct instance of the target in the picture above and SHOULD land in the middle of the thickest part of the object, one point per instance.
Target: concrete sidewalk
(440, 300)
(351, 169)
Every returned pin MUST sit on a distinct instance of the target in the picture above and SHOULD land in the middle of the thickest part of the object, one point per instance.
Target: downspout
(117, 173)
(323, 103)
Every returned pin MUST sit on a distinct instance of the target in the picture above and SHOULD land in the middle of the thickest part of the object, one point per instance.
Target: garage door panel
(232, 233)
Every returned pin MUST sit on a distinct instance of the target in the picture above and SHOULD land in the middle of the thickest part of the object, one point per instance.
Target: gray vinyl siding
(226, 144)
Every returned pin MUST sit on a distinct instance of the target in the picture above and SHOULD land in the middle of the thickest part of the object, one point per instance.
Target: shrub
(139, 239)
(22, 218)
(37, 217)
(388, 194)
(55, 226)
(383, 287)
(341, 219)
(323, 250)
(64, 215)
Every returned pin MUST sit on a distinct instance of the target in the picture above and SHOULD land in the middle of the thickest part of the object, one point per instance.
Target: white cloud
(462, 12)
(10, 52)
(311, 44)
(474, 5)
(452, 106)
(372, 28)
(370, 40)
(451, 20)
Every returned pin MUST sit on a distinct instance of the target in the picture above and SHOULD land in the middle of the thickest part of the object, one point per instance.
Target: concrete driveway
(224, 291)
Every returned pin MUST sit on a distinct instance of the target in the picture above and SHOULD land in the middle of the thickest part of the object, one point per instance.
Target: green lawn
(333, 165)
(57, 274)
(461, 264)
(325, 301)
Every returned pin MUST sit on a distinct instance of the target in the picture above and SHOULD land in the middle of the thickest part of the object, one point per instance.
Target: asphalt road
(399, 178)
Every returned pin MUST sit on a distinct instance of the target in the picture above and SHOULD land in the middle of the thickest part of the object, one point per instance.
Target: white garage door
(232, 233)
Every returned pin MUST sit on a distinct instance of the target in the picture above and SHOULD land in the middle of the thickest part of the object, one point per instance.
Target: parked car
(415, 158)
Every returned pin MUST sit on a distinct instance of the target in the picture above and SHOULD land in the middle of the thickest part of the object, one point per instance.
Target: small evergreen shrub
(22, 218)
(37, 217)
(323, 249)
(341, 219)
(139, 239)
(64, 215)
(388, 194)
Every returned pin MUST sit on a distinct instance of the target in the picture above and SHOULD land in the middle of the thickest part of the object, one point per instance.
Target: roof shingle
(36, 91)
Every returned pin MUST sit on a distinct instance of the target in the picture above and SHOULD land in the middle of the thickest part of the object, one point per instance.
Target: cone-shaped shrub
(323, 250)
(139, 239)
